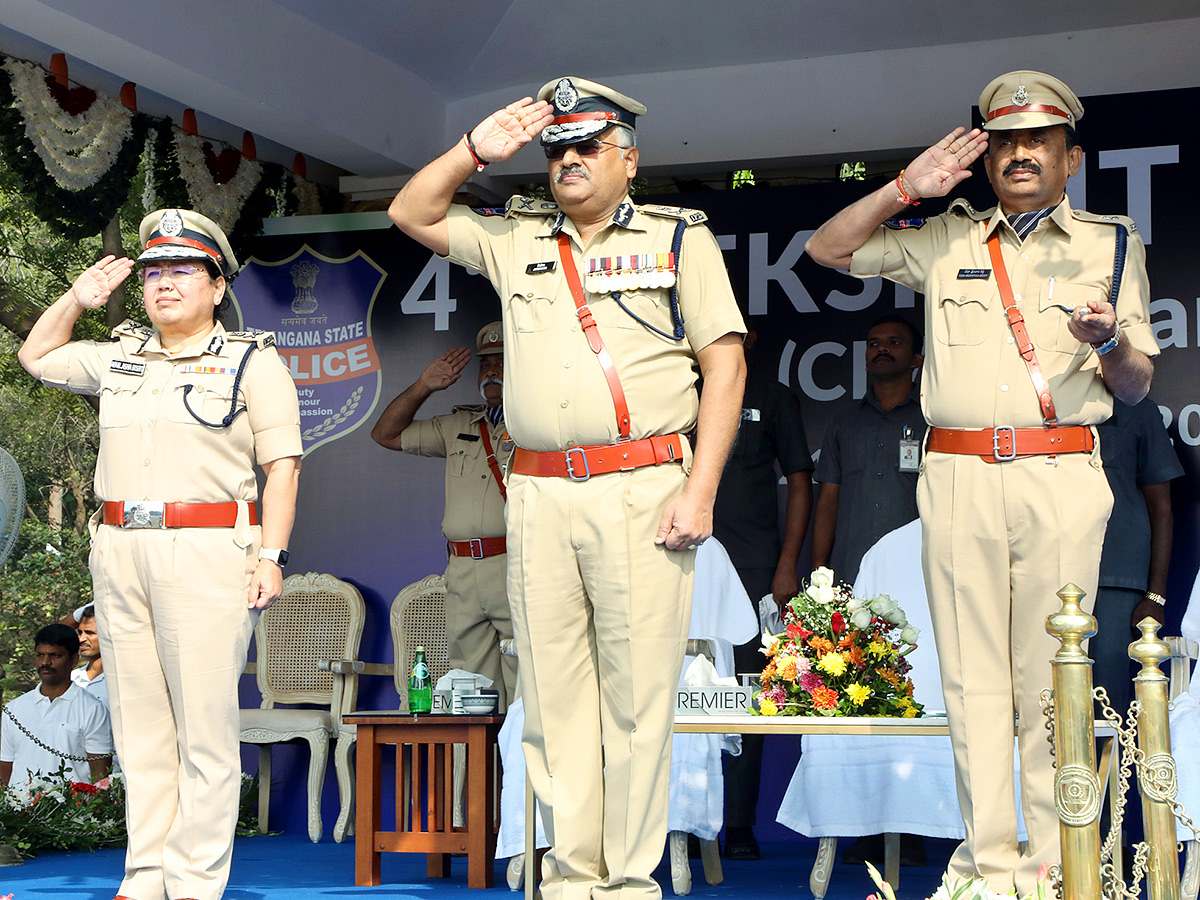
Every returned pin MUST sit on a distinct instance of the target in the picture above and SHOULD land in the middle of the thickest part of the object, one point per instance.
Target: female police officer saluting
(180, 564)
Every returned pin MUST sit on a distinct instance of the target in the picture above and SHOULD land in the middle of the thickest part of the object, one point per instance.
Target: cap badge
(1020, 96)
(171, 223)
(565, 95)
(493, 337)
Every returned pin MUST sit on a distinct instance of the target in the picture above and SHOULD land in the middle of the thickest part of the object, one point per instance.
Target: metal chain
(25, 731)
(1046, 699)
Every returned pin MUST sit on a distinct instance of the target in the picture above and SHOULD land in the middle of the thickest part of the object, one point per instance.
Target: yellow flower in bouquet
(839, 655)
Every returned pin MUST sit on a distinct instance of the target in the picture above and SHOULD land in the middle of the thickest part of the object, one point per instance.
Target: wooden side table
(424, 792)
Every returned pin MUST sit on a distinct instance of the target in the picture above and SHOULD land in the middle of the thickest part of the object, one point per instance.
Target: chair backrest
(1183, 652)
(317, 617)
(419, 620)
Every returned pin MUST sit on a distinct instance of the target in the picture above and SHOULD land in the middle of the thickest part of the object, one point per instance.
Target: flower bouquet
(840, 655)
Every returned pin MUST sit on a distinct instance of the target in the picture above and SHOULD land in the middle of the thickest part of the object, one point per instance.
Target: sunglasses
(176, 272)
(588, 149)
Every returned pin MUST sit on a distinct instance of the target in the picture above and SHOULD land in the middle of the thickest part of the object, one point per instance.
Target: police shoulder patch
(529, 206)
(488, 210)
(1084, 216)
(901, 224)
(690, 216)
(253, 336)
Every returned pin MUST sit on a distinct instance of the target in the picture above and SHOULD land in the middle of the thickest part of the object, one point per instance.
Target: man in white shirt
(57, 723)
(89, 675)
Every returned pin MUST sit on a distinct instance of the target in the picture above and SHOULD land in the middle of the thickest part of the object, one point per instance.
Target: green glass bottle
(420, 688)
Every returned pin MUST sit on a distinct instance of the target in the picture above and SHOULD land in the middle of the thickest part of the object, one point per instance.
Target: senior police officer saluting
(1012, 497)
(607, 306)
(180, 564)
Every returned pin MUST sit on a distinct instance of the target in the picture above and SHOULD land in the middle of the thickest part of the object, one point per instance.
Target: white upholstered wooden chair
(317, 618)
(418, 619)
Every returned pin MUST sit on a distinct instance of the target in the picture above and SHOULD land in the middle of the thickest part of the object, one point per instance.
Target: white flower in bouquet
(881, 605)
(910, 634)
(769, 643)
(861, 618)
(896, 616)
(820, 593)
(854, 604)
(822, 576)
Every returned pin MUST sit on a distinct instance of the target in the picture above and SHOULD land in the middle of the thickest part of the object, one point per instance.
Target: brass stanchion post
(1076, 785)
(1156, 771)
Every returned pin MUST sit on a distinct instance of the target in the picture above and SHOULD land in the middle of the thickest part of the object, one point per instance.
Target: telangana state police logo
(1076, 794)
(171, 223)
(1020, 96)
(326, 345)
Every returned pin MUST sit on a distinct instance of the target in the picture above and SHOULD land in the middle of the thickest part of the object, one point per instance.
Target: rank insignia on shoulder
(690, 216)
(253, 335)
(127, 367)
(130, 328)
(901, 224)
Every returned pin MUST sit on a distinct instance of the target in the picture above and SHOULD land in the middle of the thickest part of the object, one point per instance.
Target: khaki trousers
(999, 541)
(478, 618)
(600, 615)
(174, 628)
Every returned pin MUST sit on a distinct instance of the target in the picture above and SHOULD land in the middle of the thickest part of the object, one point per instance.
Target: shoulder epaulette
(132, 329)
(690, 216)
(468, 407)
(963, 208)
(253, 336)
(518, 205)
(1084, 216)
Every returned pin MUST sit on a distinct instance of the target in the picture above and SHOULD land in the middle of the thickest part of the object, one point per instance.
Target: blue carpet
(289, 867)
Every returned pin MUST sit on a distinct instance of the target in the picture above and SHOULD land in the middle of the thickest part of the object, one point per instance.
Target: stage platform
(289, 867)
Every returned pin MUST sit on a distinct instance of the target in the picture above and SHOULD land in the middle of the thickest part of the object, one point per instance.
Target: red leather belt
(477, 548)
(157, 514)
(581, 463)
(1005, 442)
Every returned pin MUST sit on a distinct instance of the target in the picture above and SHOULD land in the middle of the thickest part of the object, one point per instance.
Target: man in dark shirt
(869, 459)
(746, 522)
(1140, 463)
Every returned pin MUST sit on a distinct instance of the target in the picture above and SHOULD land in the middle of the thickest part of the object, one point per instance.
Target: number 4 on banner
(442, 304)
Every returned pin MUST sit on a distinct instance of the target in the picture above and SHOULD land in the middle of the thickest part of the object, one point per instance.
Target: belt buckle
(144, 514)
(476, 548)
(1012, 436)
(571, 466)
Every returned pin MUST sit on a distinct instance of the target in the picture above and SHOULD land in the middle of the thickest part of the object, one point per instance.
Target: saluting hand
(504, 132)
(936, 171)
(445, 370)
(96, 283)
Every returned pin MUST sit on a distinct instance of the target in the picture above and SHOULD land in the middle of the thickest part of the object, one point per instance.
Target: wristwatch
(279, 557)
(1110, 344)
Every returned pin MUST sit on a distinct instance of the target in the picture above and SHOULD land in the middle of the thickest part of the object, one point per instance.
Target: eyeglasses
(588, 149)
(175, 272)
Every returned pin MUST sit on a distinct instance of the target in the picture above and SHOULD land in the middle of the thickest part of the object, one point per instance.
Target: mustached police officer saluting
(180, 562)
(607, 306)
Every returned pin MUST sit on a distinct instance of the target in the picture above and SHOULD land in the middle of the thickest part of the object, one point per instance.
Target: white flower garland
(149, 188)
(220, 202)
(76, 150)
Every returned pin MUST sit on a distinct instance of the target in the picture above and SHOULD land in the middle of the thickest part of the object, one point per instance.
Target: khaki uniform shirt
(151, 447)
(555, 394)
(474, 506)
(973, 376)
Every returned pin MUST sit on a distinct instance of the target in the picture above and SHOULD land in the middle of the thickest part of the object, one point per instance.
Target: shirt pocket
(207, 400)
(643, 305)
(962, 320)
(530, 311)
(1057, 302)
(456, 463)
(118, 402)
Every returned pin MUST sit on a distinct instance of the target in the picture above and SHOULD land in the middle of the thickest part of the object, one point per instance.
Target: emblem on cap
(565, 95)
(171, 223)
(1020, 96)
(493, 337)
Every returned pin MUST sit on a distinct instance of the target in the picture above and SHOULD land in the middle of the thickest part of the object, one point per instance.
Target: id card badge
(910, 452)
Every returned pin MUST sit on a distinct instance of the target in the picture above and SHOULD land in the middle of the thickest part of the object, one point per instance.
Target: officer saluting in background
(180, 562)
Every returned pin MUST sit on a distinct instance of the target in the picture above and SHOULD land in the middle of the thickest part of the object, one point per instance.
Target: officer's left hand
(1146, 607)
(266, 584)
(686, 523)
(784, 587)
(1094, 323)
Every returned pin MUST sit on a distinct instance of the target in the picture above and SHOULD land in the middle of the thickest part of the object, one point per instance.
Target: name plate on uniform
(713, 700)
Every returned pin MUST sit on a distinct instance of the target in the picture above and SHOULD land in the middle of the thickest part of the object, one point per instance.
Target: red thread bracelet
(903, 193)
(479, 163)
